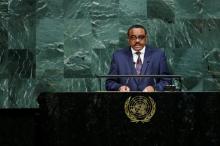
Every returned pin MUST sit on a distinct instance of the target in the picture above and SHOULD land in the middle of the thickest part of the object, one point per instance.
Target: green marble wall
(60, 45)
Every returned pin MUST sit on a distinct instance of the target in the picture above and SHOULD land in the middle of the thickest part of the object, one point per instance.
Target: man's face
(137, 38)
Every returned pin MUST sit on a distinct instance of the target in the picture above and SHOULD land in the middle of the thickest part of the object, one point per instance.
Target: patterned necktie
(138, 63)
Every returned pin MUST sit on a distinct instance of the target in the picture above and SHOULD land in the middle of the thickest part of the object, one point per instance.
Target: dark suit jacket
(122, 64)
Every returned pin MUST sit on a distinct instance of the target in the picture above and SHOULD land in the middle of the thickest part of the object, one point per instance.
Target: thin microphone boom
(156, 76)
(179, 77)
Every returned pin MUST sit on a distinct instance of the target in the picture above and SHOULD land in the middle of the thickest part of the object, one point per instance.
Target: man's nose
(137, 39)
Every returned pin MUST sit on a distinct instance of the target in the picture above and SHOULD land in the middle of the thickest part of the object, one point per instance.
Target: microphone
(127, 80)
(147, 62)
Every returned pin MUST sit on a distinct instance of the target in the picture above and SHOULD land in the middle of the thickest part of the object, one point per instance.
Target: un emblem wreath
(140, 108)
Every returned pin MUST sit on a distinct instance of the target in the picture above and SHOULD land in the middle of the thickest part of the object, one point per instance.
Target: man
(138, 59)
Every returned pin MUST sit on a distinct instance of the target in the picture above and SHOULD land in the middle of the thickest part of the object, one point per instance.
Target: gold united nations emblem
(140, 108)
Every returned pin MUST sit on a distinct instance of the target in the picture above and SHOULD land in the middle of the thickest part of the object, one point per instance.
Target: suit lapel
(131, 64)
(147, 59)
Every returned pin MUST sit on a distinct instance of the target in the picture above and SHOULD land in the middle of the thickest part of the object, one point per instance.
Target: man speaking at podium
(138, 59)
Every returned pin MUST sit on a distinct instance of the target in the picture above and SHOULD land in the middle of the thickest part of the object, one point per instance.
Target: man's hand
(124, 89)
(149, 89)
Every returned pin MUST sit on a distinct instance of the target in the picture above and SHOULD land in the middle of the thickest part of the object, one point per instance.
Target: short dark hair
(137, 26)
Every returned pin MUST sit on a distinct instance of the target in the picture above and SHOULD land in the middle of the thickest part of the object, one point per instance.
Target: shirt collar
(142, 50)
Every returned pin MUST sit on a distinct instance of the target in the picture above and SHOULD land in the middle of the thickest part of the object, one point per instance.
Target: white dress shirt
(135, 56)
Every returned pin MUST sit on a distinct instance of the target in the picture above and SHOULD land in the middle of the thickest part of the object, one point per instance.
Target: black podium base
(183, 119)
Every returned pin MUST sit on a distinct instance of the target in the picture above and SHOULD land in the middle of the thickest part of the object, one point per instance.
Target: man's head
(137, 37)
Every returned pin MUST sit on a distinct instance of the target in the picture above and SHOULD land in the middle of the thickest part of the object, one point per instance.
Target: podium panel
(99, 118)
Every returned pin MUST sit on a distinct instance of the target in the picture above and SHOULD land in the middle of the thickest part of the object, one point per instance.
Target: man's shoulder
(155, 50)
(122, 51)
